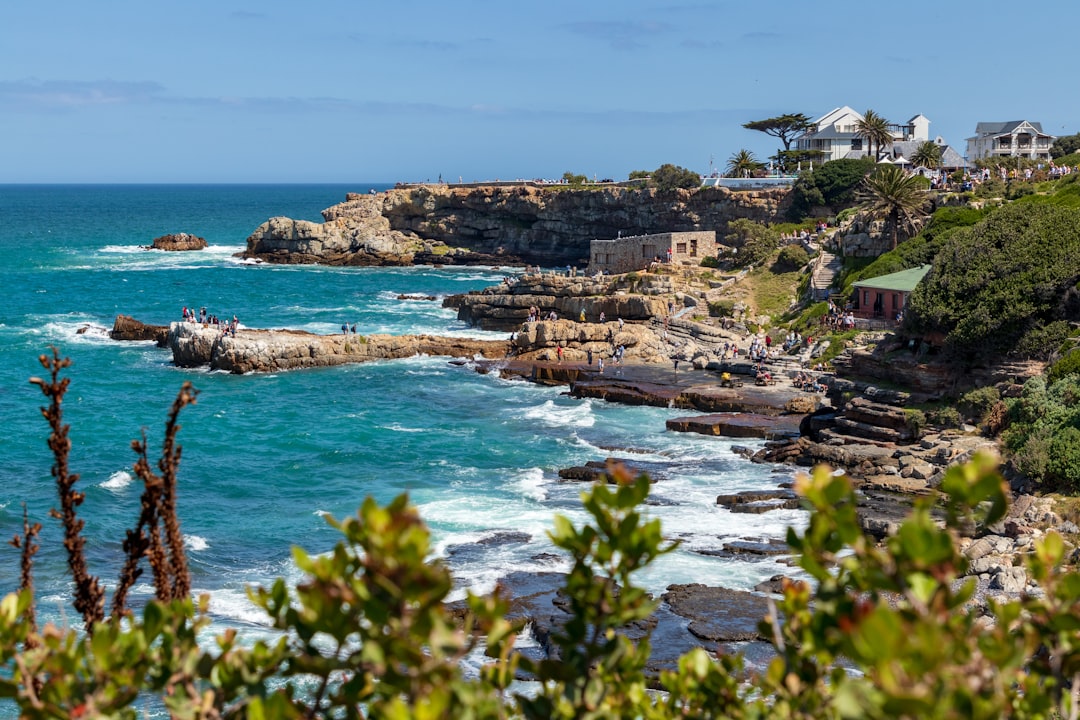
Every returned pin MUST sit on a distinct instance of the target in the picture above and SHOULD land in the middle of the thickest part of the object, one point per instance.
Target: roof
(903, 281)
(1001, 128)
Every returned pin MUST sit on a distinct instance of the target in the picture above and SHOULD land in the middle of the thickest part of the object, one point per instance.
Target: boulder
(178, 242)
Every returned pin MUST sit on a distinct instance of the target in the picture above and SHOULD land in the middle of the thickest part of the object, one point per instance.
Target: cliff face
(510, 224)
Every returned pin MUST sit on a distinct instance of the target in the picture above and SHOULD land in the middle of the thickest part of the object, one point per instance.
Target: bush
(994, 282)
(945, 417)
(710, 261)
(916, 421)
(722, 308)
(671, 177)
(791, 257)
(1068, 365)
(830, 184)
(1042, 340)
(754, 242)
(976, 404)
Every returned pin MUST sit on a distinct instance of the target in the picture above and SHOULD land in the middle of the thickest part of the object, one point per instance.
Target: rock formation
(195, 345)
(506, 306)
(128, 328)
(178, 241)
(526, 223)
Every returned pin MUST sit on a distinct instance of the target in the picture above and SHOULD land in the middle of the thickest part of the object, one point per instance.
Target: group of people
(839, 318)
(808, 382)
(206, 320)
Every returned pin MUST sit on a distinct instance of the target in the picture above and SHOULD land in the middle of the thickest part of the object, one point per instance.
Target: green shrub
(722, 308)
(976, 404)
(1069, 364)
(1043, 339)
(916, 421)
(792, 257)
(945, 417)
(710, 261)
(1064, 459)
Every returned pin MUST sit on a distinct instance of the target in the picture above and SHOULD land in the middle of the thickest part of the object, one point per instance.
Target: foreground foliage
(877, 631)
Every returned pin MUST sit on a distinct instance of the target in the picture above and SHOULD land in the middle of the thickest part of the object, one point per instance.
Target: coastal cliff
(499, 224)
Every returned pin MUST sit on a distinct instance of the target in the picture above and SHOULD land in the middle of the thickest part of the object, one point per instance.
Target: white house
(834, 134)
(1015, 138)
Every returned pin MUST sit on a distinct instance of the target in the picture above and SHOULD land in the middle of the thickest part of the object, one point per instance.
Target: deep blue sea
(266, 457)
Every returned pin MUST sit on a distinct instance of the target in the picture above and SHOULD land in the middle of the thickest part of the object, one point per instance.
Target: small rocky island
(178, 242)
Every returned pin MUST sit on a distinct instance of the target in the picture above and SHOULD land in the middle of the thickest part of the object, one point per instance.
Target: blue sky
(360, 91)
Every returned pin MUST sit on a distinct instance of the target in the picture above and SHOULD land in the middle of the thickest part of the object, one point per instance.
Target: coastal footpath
(492, 225)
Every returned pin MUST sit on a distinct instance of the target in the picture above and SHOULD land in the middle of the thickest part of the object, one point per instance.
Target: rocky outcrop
(178, 242)
(526, 223)
(128, 328)
(743, 425)
(195, 345)
(506, 306)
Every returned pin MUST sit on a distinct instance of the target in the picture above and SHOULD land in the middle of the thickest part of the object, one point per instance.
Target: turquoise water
(265, 457)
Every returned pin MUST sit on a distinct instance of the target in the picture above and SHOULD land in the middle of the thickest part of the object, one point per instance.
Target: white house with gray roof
(1014, 138)
(834, 134)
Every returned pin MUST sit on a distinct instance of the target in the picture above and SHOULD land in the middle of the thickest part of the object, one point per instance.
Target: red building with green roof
(885, 296)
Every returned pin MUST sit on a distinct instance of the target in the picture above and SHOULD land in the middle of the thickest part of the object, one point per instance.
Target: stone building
(635, 252)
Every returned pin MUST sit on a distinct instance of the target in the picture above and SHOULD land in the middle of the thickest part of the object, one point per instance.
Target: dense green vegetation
(878, 631)
(1002, 281)
(832, 185)
(671, 177)
(1065, 145)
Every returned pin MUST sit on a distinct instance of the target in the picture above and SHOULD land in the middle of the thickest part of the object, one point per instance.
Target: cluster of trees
(668, 177)
(1065, 145)
(995, 287)
(876, 631)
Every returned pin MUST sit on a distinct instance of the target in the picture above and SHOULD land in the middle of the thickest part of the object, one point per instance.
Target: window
(856, 143)
(648, 251)
(680, 248)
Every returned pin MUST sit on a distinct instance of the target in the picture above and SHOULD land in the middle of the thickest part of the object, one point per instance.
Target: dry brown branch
(144, 539)
(169, 463)
(89, 595)
(25, 542)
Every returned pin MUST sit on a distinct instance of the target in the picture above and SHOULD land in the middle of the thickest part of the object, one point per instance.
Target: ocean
(267, 457)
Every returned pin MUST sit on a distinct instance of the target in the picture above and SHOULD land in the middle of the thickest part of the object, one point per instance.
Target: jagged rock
(128, 328)
(178, 242)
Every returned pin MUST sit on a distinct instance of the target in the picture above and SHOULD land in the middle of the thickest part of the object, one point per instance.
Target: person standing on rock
(588, 354)
(558, 352)
(600, 364)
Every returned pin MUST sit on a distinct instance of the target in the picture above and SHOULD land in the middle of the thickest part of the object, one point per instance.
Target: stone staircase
(825, 272)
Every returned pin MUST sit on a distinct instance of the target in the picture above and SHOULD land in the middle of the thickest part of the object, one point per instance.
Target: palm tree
(928, 155)
(892, 195)
(742, 164)
(874, 129)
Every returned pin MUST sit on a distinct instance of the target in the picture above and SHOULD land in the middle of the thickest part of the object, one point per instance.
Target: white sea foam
(531, 484)
(118, 481)
(553, 415)
(195, 543)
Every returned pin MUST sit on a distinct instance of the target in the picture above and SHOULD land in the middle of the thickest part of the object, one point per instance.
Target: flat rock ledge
(740, 425)
(197, 345)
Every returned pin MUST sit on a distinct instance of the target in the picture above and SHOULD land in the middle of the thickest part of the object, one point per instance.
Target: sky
(342, 91)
